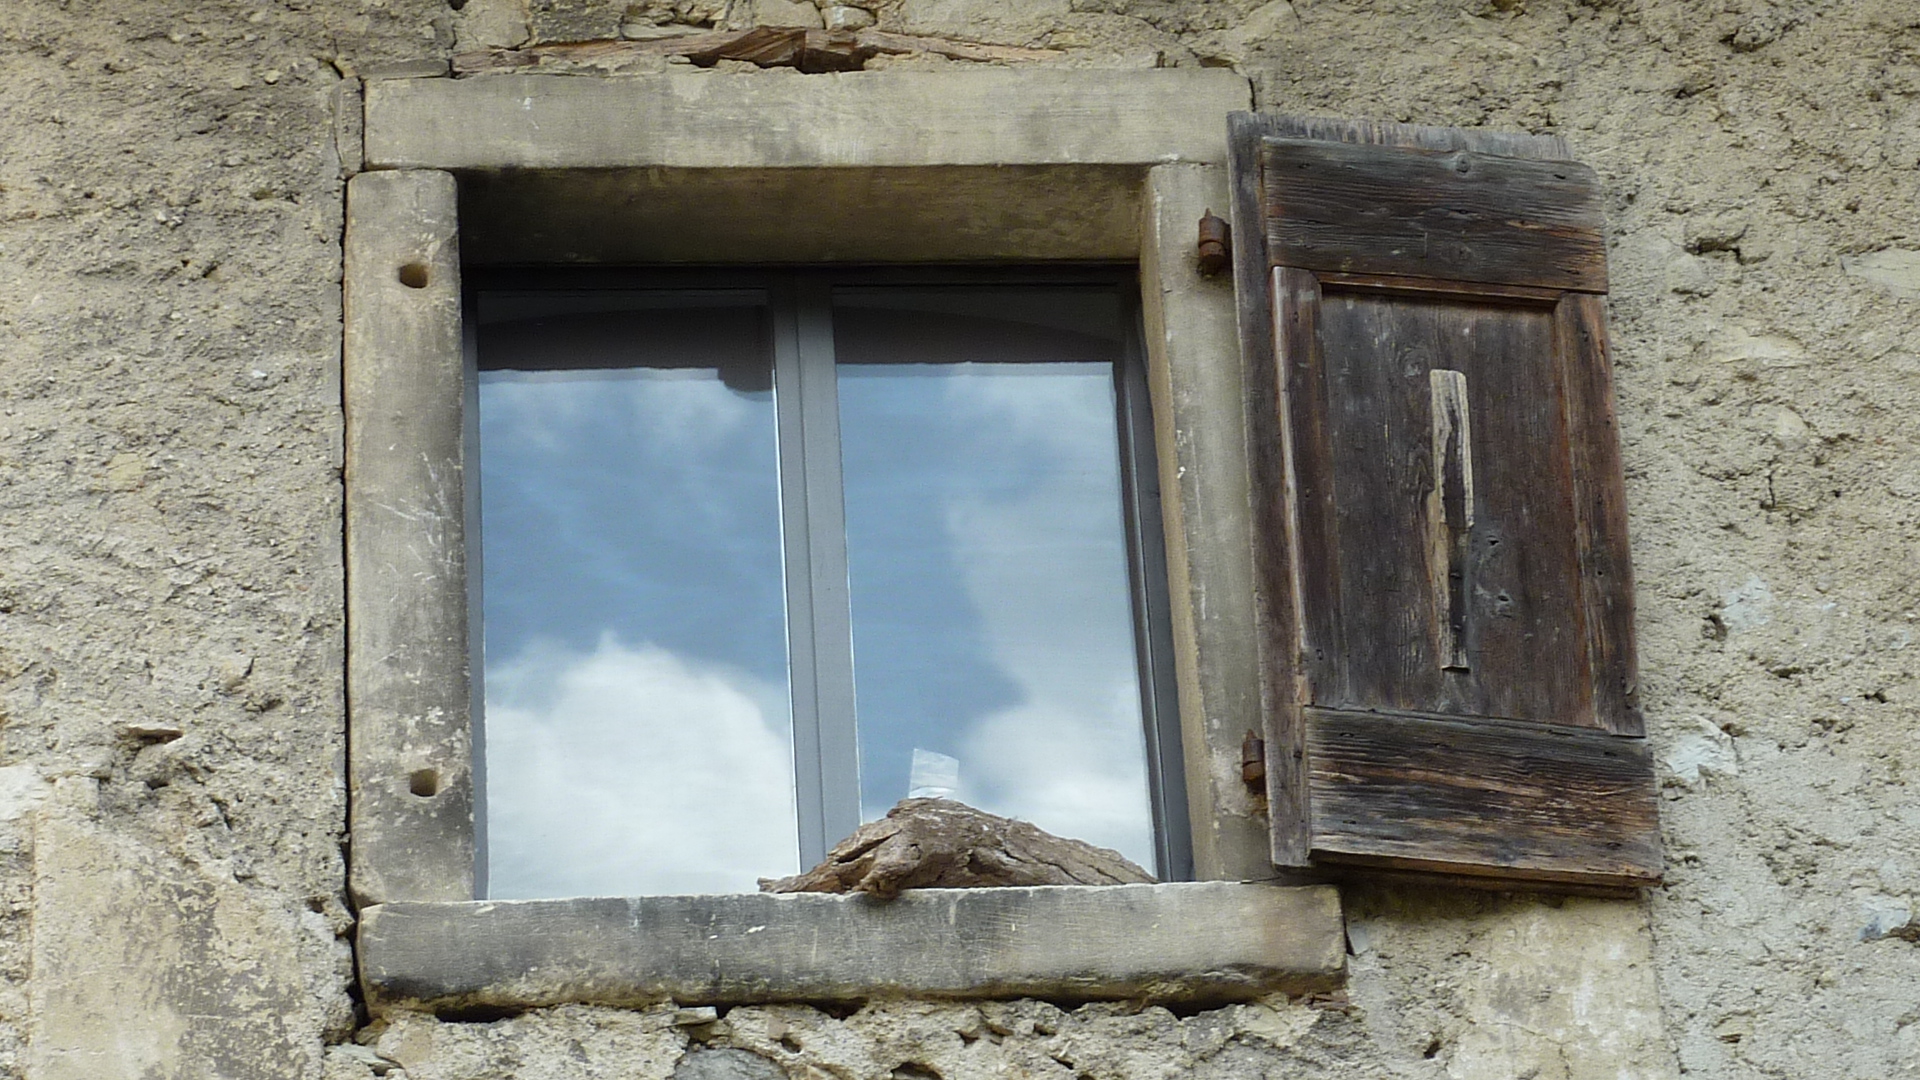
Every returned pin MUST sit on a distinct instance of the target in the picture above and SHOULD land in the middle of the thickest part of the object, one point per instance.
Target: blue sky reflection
(637, 727)
(988, 565)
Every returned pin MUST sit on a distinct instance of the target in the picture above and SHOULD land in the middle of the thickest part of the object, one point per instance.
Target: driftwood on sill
(942, 844)
(766, 46)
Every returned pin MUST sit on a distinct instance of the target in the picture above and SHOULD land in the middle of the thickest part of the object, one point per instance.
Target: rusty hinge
(1253, 763)
(1216, 244)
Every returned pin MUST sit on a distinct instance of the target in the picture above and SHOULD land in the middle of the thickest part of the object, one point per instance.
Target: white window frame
(985, 165)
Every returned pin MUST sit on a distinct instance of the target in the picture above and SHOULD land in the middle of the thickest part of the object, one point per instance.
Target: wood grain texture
(1515, 144)
(1482, 797)
(1460, 214)
(1312, 497)
(1495, 756)
(1374, 468)
(1282, 683)
(1450, 514)
(942, 844)
(1286, 659)
(1600, 509)
(766, 46)
(1437, 288)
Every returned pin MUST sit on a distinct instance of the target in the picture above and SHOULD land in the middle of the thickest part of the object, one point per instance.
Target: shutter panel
(1446, 604)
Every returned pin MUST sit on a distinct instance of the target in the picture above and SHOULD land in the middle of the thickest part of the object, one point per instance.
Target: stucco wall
(171, 805)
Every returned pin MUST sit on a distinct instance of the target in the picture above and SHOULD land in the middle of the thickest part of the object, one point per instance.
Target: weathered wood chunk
(810, 50)
(942, 844)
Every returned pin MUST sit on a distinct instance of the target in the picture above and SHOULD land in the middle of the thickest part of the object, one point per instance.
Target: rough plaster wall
(169, 214)
(170, 589)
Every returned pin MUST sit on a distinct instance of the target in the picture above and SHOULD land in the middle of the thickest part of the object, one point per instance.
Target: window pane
(993, 634)
(637, 724)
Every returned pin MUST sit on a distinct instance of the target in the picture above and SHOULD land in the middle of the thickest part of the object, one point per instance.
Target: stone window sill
(1187, 942)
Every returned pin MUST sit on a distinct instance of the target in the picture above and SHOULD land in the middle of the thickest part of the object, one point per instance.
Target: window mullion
(832, 606)
(819, 620)
(801, 677)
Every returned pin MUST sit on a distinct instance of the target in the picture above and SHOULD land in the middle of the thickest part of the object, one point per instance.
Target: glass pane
(993, 634)
(638, 733)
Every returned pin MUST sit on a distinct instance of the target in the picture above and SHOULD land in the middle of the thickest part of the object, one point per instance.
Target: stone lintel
(867, 119)
(1195, 942)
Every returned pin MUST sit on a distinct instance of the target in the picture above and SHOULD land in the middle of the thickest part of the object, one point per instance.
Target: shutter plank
(1600, 504)
(1460, 214)
(1436, 288)
(1482, 797)
(1526, 652)
(1310, 495)
(1514, 144)
(1276, 606)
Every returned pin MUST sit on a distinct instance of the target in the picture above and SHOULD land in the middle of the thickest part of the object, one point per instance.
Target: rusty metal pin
(1253, 762)
(1216, 244)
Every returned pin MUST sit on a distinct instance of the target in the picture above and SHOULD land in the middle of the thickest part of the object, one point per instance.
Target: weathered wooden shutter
(1446, 602)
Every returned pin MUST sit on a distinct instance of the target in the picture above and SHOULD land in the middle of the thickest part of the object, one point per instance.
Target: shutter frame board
(1415, 791)
(1591, 731)
(1456, 215)
(1276, 620)
(1600, 503)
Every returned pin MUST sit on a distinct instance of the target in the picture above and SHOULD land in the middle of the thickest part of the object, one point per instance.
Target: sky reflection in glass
(988, 564)
(637, 725)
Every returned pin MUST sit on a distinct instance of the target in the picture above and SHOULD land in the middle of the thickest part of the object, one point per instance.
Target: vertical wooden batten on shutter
(1445, 594)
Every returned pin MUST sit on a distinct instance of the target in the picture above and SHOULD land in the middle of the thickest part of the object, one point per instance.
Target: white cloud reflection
(688, 409)
(1046, 568)
(631, 771)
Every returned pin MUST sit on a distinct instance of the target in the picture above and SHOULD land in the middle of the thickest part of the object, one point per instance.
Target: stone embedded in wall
(1706, 750)
(146, 968)
(846, 17)
(1748, 606)
(551, 1044)
(786, 13)
(1896, 270)
(491, 24)
(968, 18)
(1885, 916)
(572, 20)
(1492, 987)
(727, 1064)
(683, 14)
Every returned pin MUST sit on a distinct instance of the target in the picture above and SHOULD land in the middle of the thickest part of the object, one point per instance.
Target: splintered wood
(765, 46)
(941, 844)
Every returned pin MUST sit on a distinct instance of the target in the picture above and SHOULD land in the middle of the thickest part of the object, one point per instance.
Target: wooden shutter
(1446, 605)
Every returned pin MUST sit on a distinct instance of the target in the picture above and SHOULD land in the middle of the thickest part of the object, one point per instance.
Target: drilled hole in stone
(415, 275)
(424, 782)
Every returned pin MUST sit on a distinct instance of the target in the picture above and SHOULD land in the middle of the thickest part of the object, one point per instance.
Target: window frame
(898, 166)
(820, 644)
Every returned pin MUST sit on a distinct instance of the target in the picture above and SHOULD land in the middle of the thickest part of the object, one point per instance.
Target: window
(990, 166)
(766, 553)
